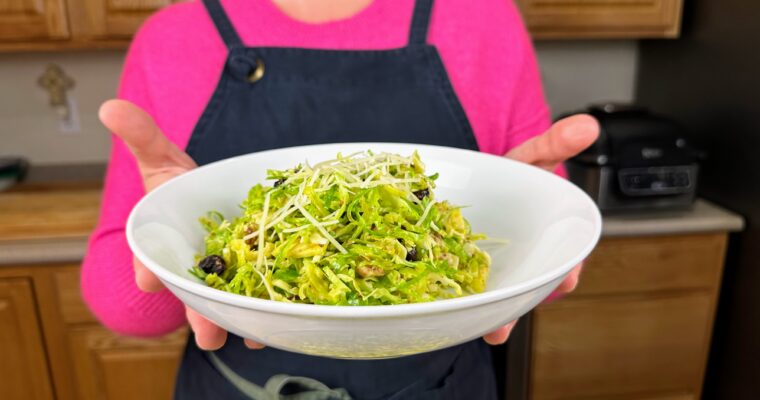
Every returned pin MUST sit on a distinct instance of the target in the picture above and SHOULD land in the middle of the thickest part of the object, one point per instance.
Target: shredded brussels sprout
(362, 229)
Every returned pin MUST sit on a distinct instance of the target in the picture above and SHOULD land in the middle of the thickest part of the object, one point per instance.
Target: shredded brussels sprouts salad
(361, 229)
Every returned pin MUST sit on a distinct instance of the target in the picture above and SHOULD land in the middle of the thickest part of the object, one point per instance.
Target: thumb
(157, 157)
(566, 138)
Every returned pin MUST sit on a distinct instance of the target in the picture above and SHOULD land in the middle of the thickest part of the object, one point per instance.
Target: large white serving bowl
(550, 224)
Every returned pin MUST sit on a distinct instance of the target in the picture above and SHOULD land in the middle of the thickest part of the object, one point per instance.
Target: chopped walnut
(368, 271)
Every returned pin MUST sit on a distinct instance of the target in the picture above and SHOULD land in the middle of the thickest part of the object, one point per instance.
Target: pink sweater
(175, 61)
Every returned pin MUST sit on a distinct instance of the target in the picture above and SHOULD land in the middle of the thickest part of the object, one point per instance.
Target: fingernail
(581, 127)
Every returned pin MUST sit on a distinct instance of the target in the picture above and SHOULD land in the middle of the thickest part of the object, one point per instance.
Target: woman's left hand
(563, 140)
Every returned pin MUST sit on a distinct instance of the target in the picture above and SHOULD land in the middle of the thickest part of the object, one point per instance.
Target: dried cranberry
(212, 264)
(411, 254)
(421, 194)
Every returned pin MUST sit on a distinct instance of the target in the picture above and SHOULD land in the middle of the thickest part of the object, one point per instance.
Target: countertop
(52, 224)
(703, 217)
(47, 224)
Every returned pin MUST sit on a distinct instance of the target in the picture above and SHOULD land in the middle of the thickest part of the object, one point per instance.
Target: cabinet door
(118, 19)
(602, 18)
(651, 264)
(32, 20)
(23, 370)
(114, 368)
(649, 346)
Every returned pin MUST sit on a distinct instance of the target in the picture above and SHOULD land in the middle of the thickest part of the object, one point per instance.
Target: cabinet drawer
(620, 347)
(641, 264)
(69, 296)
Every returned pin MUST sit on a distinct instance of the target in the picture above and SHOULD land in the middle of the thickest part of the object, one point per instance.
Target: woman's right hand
(158, 160)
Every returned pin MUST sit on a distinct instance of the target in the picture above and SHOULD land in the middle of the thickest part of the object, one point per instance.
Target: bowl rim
(359, 312)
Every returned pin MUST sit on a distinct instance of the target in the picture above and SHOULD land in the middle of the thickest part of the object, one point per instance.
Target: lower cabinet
(115, 368)
(23, 367)
(638, 326)
(598, 348)
(49, 339)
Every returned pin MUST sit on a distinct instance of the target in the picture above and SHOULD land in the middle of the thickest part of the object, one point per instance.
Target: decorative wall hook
(56, 83)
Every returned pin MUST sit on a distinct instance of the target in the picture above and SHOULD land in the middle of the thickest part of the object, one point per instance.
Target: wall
(29, 126)
(575, 73)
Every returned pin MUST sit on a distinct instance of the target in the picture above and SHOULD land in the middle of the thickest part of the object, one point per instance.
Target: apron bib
(271, 97)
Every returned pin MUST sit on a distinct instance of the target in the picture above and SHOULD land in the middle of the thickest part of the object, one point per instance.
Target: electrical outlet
(69, 123)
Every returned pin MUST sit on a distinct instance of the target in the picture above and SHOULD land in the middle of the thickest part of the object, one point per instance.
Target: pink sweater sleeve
(108, 284)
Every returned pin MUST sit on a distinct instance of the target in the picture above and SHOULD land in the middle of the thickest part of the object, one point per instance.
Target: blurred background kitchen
(667, 307)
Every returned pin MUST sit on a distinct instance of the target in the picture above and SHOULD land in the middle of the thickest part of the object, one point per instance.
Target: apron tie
(309, 389)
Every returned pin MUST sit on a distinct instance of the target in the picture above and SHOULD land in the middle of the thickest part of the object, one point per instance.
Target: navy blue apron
(271, 97)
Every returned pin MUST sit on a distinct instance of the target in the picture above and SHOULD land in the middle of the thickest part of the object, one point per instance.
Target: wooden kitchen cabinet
(31, 20)
(637, 327)
(608, 348)
(575, 19)
(29, 25)
(49, 336)
(108, 366)
(117, 368)
(118, 19)
(23, 369)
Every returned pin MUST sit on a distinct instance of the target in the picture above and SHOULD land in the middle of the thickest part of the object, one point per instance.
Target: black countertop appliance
(641, 161)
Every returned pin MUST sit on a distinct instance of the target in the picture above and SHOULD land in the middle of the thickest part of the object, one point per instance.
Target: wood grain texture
(54, 214)
(639, 325)
(30, 20)
(621, 346)
(52, 326)
(69, 296)
(114, 368)
(642, 264)
(572, 19)
(23, 370)
(117, 19)
(84, 358)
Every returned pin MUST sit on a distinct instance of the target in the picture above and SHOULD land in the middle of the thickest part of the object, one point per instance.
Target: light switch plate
(69, 123)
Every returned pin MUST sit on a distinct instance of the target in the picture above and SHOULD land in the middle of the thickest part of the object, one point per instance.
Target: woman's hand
(563, 140)
(158, 160)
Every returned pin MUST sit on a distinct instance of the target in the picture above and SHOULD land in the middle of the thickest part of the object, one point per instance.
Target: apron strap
(420, 21)
(309, 389)
(417, 33)
(223, 25)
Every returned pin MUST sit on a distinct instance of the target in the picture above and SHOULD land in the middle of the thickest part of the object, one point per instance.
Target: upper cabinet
(72, 24)
(89, 24)
(22, 20)
(118, 19)
(602, 19)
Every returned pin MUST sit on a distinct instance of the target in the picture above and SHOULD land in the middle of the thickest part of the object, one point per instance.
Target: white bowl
(551, 226)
